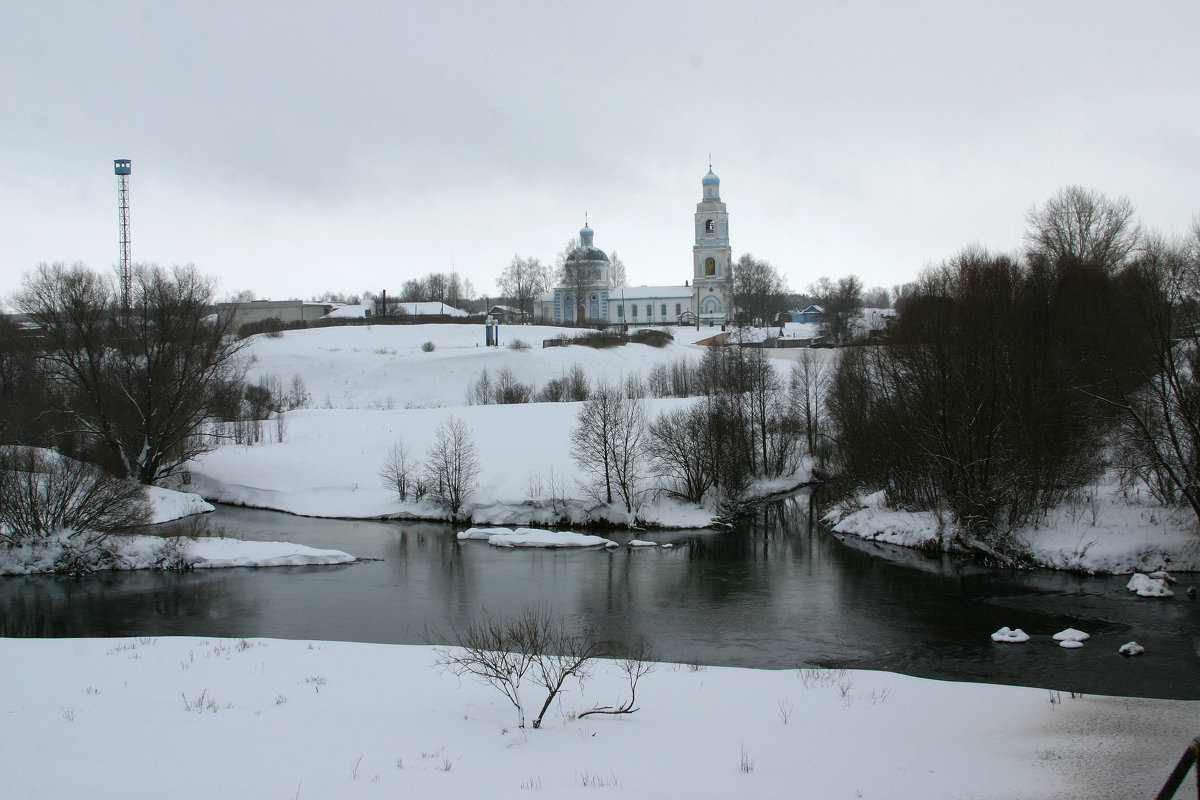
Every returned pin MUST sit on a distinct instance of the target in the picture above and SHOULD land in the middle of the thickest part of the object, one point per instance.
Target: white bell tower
(711, 255)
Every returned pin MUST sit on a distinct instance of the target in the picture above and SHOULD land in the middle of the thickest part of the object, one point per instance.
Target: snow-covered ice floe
(1149, 586)
(642, 543)
(534, 537)
(1071, 638)
(215, 553)
(1007, 634)
(1131, 649)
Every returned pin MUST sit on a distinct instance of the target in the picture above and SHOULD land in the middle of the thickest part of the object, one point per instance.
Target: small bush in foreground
(501, 653)
(429, 347)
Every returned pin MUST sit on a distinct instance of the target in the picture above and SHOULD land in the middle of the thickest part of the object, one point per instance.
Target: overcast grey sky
(289, 148)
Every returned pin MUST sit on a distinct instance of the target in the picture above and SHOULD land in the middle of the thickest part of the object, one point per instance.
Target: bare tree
(636, 661)
(452, 465)
(841, 302)
(619, 276)
(141, 385)
(876, 297)
(487, 649)
(1084, 226)
(558, 654)
(978, 405)
(628, 433)
(23, 399)
(606, 442)
(535, 643)
(759, 291)
(808, 385)
(678, 452)
(593, 435)
(523, 281)
(399, 470)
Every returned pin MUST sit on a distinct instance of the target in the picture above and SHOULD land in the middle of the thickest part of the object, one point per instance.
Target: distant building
(286, 311)
(426, 309)
(507, 314)
(810, 314)
(591, 296)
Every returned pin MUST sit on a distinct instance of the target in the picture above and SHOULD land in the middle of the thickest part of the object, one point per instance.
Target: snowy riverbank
(129, 552)
(1110, 530)
(200, 718)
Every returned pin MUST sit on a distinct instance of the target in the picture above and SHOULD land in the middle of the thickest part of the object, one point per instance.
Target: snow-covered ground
(205, 718)
(167, 504)
(370, 386)
(1111, 530)
(384, 366)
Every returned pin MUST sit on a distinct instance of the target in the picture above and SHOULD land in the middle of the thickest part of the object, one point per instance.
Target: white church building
(591, 297)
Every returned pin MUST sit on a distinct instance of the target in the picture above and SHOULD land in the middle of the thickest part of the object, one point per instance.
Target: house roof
(650, 293)
(432, 308)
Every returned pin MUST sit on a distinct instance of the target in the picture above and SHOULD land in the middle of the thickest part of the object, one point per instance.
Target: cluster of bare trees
(747, 423)
(841, 301)
(124, 396)
(449, 473)
(523, 281)
(606, 443)
(1160, 407)
(1000, 389)
(759, 291)
(436, 287)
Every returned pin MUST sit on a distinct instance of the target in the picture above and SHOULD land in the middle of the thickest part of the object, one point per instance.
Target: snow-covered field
(372, 385)
(384, 366)
(208, 718)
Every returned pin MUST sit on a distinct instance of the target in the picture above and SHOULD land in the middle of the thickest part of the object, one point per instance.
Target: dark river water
(772, 593)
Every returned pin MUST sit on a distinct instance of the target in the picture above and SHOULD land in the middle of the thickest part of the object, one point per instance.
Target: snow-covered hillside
(371, 386)
(385, 367)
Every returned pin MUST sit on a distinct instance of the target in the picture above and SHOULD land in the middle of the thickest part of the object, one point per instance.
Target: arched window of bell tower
(710, 266)
(709, 226)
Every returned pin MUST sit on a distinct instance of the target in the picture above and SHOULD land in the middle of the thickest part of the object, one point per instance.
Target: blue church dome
(710, 179)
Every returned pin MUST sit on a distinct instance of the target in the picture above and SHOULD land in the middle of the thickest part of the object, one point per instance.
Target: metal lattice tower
(121, 167)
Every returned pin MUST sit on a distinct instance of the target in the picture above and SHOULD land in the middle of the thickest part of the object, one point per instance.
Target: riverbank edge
(1112, 536)
(575, 512)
